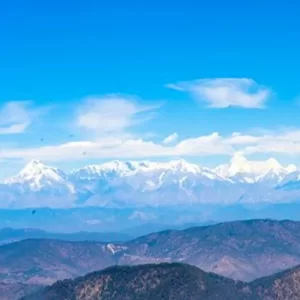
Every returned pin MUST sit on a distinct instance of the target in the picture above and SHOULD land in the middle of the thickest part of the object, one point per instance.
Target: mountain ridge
(121, 184)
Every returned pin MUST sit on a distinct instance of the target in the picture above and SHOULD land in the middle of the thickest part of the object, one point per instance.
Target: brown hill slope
(280, 286)
(242, 250)
(145, 282)
(170, 281)
(45, 261)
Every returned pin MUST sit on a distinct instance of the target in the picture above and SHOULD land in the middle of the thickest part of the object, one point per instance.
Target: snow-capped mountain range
(132, 183)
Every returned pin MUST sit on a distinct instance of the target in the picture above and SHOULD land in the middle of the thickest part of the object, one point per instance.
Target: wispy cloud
(172, 138)
(287, 143)
(226, 92)
(139, 215)
(13, 129)
(16, 116)
(113, 113)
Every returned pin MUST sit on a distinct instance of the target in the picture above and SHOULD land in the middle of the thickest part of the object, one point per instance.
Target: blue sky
(156, 69)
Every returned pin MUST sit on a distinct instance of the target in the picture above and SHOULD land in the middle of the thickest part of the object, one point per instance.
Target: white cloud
(111, 117)
(16, 116)
(139, 215)
(284, 142)
(212, 144)
(14, 128)
(226, 92)
(93, 222)
(171, 138)
(110, 148)
(113, 113)
(241, 139)
(113, 146)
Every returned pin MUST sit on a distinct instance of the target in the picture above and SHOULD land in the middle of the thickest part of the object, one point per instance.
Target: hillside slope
(45, 261)
(170, 281)
(243, 250)
(280, 286)
(146, 282)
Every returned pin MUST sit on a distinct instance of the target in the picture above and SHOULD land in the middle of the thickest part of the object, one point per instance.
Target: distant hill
(8, 235)
(241, 250)
(170, 281)
(45, 261)
(14, 291)
(148, 228)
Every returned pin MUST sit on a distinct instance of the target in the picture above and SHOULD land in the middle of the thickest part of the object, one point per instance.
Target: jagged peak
(183, 166)
(115, 165)
(34, 171)
(36, 167)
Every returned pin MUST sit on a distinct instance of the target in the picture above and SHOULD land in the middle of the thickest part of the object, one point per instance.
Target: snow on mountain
(130, 168)
(132, 183)
(291, 182)
(148, 183)
(144, 181)
(106, 171)
(37, 176)
(242, 170)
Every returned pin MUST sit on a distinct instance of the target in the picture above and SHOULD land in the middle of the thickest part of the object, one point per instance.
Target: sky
(89, 81)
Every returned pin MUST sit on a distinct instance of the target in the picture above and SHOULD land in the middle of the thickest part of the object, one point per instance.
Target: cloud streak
(14, 128)
(226, 92)
(113, 114)
(17, 116)
(172, 138)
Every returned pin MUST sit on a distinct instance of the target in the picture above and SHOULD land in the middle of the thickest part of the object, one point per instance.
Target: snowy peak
(252, 171)
(133, 167)
(113, 168)
(147, 174)
(183, 166)
(126, 178)
(127, 183)
(36, 168)
(120, 166)
(36, 175)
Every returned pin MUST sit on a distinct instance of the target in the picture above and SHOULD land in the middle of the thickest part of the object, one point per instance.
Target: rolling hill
(241, 250)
